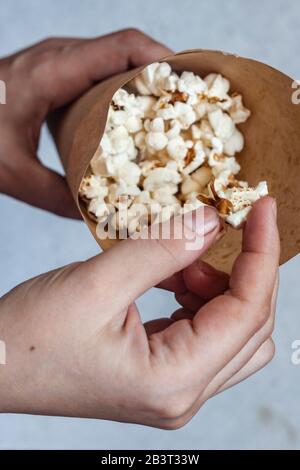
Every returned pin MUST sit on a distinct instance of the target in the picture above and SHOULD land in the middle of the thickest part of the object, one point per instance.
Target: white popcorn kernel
(118, 118)
(123, 99)
(157, 125)
(262, 189)
(217, 145)
(197, 158)
(133, 124)
(131, 150)
(185, 114)
(196, 132)
(171, 82)
(165, 195)
(218, 86)
(144, 197)
(129, 173)
(235, 143)
(93, 186)
(99, 208)
(105, 144)
(119, 139)
(158, 177)
(237, 219)
(156, 141)
(140, 140)
(121, 193)
(108, 165)
(222, 124)
(167, 112)
(174, 130)
(225, 164)
(148, 165)
(237, 110)
(176, 148)
(145, 79)
(191, 83)
(145, 104)
(151, 80)
(243, 197)
(222, 179)
(201, 108)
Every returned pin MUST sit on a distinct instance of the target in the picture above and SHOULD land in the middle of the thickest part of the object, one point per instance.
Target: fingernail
(202, 221)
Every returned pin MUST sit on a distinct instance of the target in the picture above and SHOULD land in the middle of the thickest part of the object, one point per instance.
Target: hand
(76, 345)
(42, 78)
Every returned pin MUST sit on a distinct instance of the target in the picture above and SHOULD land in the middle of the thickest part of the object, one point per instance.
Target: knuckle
(260, 316)
(132, 34)
(169, 408)
(48, 41)
(174, 425)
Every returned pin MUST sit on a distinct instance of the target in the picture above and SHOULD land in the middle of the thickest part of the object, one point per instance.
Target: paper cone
(272, 140)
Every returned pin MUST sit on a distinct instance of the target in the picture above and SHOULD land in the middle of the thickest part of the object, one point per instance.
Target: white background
(263, 412)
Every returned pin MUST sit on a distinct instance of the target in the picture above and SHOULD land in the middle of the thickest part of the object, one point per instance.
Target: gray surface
(263, 412)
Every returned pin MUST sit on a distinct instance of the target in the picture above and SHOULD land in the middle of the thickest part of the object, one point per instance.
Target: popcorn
(185, 114)
(93, 187)
(170, 148)
(156, 141)
(194, 158)
(237, 110)
(218, 86)
(176, 148)
(158, 177)
(222, 124)
(99, 208)
(129, 173)
(153, 78)
(165, 195)
(235, 143)
(191, 84)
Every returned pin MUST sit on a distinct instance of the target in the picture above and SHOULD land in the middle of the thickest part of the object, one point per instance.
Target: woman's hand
(76, 345)
(42, 78)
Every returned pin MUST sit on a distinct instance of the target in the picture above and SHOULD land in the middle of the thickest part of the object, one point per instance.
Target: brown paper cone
(272, 140)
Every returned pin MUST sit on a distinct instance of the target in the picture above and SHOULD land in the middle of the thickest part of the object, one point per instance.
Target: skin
(76, 345)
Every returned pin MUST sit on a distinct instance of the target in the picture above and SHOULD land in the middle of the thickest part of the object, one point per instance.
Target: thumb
(157, 254)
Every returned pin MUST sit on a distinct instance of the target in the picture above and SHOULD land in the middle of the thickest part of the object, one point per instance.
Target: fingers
(205, 281)
(223, 326)
(196, 284)
(154, 326)
(260, 359)
(44, 188)
(143, 263)
(77, 64)
(247, 352)
(199, 278)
